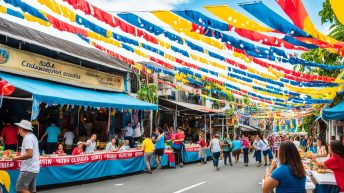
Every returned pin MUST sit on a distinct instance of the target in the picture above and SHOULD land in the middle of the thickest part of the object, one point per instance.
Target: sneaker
(205, 162)
(217, 168)
(199, 164)
(259, 164)
(246, 165)
(150, 171)
(231, 164)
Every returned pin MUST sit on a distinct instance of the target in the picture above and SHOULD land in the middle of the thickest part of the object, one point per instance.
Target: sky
(312, 6)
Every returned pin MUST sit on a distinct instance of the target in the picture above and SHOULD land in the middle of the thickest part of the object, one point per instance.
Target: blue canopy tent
(334, 113)
(52, 93)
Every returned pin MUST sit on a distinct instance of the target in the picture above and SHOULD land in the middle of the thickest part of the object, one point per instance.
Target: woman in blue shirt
(159, 146)
(290, 176)
(236, 144)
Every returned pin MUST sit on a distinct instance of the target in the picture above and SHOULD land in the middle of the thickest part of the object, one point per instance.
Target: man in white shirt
(91, 144)
(128, 135)
(30, 155)
(266, 150)
(69, 137)
(257, 144)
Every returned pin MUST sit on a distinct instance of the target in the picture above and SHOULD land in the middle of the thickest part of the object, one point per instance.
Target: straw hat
(25, 124)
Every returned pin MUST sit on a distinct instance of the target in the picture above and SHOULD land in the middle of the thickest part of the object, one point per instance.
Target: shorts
(268, 152)
(237, 152)
(201, 152)
(159, 152)
(26, 181)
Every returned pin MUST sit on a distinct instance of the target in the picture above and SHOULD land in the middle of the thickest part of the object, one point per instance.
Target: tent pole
(151, 123)
(210, 128)
(227, 124)
(223, 127)
(205, 127)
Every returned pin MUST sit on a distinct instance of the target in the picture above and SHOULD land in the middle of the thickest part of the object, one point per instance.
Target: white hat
(80, 142)
(25, 124)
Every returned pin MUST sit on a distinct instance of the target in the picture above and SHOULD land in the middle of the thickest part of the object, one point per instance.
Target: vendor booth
(334, 118)
(76, 85)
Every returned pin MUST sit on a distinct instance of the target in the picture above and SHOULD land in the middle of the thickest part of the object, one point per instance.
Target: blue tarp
(51, 93)
(334, 113)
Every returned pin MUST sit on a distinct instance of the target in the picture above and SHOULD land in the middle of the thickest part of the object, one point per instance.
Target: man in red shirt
(202, 149)
(178, 140)
(9, 134)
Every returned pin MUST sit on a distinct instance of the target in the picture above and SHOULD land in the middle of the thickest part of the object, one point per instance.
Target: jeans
(216, 157)
(245, 155)
(178, 156)
(227, 154)
(259, 156)
(148, 160)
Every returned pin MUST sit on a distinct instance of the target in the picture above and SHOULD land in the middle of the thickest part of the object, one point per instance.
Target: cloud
(136, 5)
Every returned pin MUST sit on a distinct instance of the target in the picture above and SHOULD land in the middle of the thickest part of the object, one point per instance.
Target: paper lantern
(3, 83)
(8, 89)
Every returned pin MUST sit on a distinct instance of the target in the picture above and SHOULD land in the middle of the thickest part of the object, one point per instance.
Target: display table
(325, 183)
(66, 169)
(191, 154)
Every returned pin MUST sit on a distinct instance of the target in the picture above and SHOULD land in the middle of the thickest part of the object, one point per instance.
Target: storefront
(67, 92)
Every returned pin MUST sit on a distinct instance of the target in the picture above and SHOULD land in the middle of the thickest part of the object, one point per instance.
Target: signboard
(34, 65)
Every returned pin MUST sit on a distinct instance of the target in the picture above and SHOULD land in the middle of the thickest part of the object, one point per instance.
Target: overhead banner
(34, 65)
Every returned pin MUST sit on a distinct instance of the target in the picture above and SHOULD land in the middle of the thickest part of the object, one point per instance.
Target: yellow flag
(183, 26)
(236, 19)
(337, 6)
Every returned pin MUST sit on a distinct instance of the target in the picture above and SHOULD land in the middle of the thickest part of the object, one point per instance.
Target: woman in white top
(297, 142)
(215, 148)
(111, 146)
(137, 134)
(322, 147)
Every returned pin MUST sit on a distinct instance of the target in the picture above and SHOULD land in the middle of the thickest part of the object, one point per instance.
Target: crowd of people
(285, 174)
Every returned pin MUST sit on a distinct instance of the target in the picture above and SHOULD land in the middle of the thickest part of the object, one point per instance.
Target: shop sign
(34, 65)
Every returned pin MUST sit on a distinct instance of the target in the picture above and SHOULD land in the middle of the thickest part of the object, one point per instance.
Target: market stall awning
(187, 108)
(52, 93)
(246, 128)
(334, 113)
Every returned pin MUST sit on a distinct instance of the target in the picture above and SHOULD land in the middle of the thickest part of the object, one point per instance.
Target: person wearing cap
(9, 135)
(29, 155)
(78, 149)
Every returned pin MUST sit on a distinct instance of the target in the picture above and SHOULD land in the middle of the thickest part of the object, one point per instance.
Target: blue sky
(313, 7)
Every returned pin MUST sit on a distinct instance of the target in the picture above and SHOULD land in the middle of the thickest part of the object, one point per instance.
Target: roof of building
(28, 39)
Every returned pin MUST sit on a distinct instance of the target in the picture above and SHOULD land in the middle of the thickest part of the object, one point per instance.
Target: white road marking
(119, 184)
(190, 187)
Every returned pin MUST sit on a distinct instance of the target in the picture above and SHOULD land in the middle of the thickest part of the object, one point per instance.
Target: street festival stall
(63, 169)
(192, 118)
(230, 51)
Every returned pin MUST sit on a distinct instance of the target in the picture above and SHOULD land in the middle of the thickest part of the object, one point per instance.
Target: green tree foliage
(324, 56)
(148, 93)
(307, 123)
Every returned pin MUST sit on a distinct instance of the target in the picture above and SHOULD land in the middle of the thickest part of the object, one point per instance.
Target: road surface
(190, 179)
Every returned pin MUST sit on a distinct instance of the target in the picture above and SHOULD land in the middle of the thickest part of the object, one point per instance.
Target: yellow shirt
(148, 146)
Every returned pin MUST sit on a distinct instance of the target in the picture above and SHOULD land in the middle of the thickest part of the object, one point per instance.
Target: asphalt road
(190, 179)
